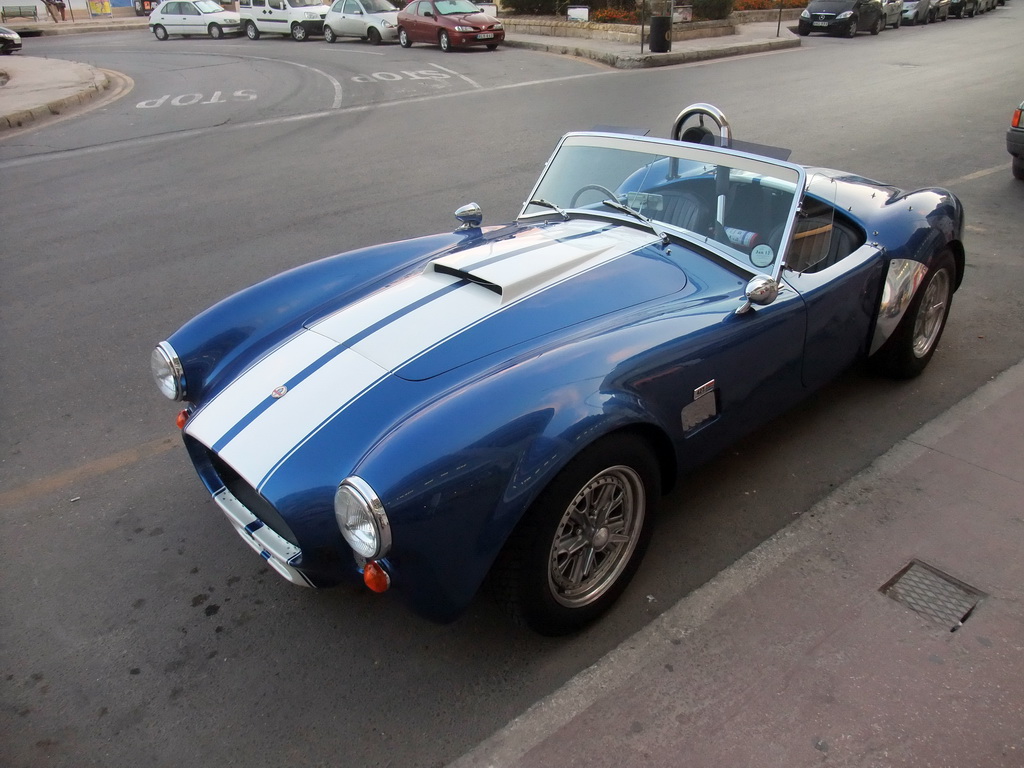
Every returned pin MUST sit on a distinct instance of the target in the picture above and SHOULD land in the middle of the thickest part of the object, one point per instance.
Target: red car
(448, 23)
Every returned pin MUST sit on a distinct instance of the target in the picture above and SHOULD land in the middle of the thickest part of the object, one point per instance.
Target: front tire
(878, 26)
(403, 38)
(582, 540)
(329, 35)
(444, 41)
(299, 33)
(910, 348)
(160, 33)
(851, 31)
(373, 36)
(251, 31)
(215, 31)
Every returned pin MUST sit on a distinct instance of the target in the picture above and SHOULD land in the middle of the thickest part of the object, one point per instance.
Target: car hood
(501, 291)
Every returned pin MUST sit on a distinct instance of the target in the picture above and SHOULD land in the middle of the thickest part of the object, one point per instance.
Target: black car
(842, 17)
(10, 41)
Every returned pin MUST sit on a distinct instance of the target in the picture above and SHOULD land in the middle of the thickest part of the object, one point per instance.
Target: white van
(298, 18)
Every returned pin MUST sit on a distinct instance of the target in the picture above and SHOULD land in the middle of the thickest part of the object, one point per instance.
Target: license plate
(819, 23)
(485, 36)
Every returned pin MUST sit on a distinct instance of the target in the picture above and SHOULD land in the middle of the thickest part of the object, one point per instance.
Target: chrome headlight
(805, 14)
(497, 26)
(845, 15)
(361, 519)
(386, 24)
(310, 15)
(462, 28)
(167, 371)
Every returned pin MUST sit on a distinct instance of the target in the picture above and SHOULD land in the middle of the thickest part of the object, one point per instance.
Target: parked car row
(848, 17)
(445, 23)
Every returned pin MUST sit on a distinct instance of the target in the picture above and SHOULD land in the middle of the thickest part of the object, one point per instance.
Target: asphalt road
(135, 628)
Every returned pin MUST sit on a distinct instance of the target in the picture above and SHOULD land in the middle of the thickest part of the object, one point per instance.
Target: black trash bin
(661, 34)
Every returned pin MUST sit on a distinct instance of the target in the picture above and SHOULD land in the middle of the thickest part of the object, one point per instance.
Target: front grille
(253, 500)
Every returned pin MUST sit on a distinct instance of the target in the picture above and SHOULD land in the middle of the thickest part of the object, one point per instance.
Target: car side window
(424, 9)
(259, 3)
(189, 10)
(277, 5)
(172, 8)
(351, 6)
(336, 8)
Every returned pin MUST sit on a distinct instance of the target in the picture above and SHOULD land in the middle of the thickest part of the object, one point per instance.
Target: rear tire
(251, 31)
(1017, 167)
(329, 35)
(911, 346)
(579, 544)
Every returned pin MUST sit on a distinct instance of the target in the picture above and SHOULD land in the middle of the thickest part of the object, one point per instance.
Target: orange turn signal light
(182, 418)
(375, 577)
(1016, 119)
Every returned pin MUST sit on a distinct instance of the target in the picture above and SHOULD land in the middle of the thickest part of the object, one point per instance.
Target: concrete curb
(648, 60)
(94, 84)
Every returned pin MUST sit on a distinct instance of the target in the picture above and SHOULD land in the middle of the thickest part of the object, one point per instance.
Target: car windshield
(741, 205)
(378, 6)
(449, 7)
(208, 6)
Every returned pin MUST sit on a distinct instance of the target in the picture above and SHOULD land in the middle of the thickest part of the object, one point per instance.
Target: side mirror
(761, 290)
(470, 215)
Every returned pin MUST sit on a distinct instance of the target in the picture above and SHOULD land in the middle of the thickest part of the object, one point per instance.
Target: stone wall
(620, 33)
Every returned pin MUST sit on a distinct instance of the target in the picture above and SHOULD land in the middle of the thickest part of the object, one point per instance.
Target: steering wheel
(609, 194)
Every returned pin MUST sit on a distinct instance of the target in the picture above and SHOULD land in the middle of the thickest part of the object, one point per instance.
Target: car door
(426, 22)
(273, 17)
(175, 18)
(353, 20)
(192, 22)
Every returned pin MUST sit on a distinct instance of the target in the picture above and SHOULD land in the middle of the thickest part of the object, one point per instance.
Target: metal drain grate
(934, 594)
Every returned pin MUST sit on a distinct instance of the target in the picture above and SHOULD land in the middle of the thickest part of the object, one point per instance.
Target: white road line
(144, 141)
(459, 75)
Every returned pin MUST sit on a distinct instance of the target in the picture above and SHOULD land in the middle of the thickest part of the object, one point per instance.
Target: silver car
(373, 20)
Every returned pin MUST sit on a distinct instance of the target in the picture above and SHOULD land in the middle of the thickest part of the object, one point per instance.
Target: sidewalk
(793, 656)
(37, 88)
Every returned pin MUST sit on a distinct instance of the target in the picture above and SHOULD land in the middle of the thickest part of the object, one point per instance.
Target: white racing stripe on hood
(328, 367)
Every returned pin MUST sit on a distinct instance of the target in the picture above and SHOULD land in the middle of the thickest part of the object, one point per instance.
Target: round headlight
(167, 371)
(361, 519)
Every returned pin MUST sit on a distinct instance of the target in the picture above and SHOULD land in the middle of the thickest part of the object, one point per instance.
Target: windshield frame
(789, 176)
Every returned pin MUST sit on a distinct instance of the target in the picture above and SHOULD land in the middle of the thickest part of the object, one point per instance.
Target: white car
(373, 20)
(193, 17)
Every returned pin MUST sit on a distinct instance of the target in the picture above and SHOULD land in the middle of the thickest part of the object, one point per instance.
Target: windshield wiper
(545, 204)
(639, 217)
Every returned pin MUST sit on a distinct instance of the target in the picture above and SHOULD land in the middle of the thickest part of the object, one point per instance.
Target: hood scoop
(517, 267)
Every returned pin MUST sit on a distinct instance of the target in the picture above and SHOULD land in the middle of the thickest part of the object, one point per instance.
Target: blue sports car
(510, 402)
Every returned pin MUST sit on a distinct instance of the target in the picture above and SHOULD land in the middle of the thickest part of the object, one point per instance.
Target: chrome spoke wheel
(931, 314)
(596, 536)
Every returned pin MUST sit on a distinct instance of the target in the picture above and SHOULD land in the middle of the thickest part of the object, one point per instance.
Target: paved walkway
(38, 88)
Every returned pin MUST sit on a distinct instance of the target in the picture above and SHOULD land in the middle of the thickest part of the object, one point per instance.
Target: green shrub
(534, 7)
(707, 10)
